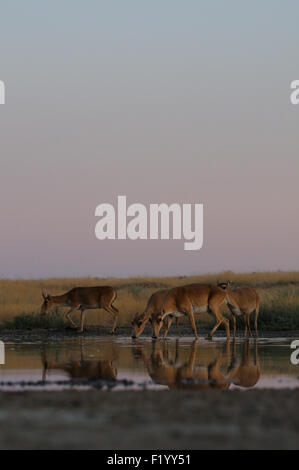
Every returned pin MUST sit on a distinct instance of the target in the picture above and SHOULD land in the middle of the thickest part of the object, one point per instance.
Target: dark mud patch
(258, 419)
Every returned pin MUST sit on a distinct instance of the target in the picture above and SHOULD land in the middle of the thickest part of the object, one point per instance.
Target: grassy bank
(20, 300)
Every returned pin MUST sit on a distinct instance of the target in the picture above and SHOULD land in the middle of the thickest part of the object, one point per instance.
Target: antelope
(190, 299)
(242, 301)
(82, 298)
(153, 305)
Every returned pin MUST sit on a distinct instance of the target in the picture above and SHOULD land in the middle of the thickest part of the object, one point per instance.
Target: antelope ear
(135, 316)
(44, 293)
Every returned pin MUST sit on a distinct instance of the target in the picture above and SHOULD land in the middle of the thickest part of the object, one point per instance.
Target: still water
(121, 363)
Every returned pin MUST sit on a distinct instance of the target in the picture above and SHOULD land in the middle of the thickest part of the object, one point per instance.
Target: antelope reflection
(244, 372)
(191, 375)
(81, 369)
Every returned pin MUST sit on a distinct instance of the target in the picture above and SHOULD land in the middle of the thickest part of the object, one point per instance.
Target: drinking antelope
(153, 306)
(190, 299)
(83, 298)
(242, 301)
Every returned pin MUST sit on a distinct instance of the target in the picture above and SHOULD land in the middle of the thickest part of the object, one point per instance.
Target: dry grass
(279, 293)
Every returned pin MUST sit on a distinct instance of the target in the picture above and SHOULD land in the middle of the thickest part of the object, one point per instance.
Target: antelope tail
(112, 306)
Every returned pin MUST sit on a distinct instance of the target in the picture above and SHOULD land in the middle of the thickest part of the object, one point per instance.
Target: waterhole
(121, 363)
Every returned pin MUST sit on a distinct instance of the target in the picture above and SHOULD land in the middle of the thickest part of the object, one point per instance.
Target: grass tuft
(30, 321)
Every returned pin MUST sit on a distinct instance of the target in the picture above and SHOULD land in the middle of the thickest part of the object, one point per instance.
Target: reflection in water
(159, 364)
(245, 371)
(80, 369)
(85, 369)
(193, 375)
(97, 370)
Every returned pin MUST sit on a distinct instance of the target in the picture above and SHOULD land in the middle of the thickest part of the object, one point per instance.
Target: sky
(161, 101)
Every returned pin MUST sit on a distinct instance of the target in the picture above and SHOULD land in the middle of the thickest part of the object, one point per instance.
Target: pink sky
(186, 108)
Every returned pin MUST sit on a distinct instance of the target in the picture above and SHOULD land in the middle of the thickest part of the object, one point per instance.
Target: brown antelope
(190, 299)
(83, 298)
(153, 306)
(242, 301)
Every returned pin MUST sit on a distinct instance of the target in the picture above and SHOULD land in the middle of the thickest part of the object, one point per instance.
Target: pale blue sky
(163, 101)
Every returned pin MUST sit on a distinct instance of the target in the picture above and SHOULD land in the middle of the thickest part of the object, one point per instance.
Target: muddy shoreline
(257, 419)
(93, 331)
(144, 419)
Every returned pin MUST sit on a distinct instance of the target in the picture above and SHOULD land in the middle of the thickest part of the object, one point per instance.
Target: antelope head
(47, 303)
(223, 285)
(138, 324)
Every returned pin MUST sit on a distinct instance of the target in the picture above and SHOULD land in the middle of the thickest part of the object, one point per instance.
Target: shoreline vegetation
(20, 300)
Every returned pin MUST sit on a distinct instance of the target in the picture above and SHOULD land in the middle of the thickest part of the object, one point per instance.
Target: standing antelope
(242, 301)
(190, 299)
(153, 306)
(83, 298)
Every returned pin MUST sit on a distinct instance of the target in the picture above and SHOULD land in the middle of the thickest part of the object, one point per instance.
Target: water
(121, 363)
